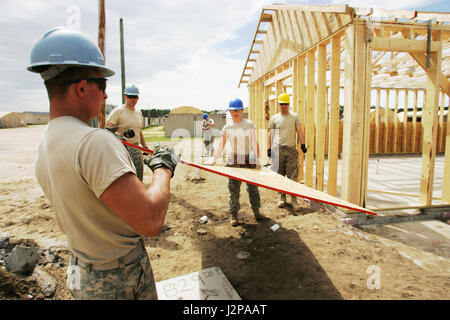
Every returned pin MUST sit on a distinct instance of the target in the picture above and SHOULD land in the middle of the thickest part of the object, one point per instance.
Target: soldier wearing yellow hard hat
(285, 132)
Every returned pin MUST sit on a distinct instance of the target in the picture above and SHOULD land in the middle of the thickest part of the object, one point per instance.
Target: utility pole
(101, 45)
(122, 60)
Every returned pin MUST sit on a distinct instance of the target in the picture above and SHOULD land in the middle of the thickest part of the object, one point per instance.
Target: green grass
(154, 134)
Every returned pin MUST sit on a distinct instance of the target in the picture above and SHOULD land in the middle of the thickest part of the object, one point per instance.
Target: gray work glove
(163, 156)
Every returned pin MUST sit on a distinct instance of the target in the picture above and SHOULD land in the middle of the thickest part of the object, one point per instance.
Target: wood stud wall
(323, 55)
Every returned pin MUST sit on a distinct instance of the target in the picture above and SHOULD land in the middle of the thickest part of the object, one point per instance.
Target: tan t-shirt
(285, 133)
(239, 136)
(126, 119)
(75, 165)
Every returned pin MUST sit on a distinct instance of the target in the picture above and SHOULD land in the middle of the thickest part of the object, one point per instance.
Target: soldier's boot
(234, 219)
(295, 206)
(258, 215)
(282, 202)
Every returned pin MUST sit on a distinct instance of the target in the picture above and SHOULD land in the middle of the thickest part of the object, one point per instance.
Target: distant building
(187, 122)
(36, 117)
(12, 120)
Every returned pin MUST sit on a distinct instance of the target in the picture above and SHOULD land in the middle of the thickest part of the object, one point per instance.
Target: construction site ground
(311, 256)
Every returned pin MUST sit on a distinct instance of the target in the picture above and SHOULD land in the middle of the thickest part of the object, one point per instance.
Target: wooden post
(446, 182)
(395, 138)
(301, 106)
(356, 115)
(310, 107)
(377, 122)
(101, 45)
(321, 115)
(414, 121)
(333, 150)
(441, 137)
(386, 122)
(122, 60)
(429, 122)
(405, 120)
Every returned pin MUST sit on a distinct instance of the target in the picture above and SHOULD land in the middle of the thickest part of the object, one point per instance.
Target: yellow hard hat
(284, 98)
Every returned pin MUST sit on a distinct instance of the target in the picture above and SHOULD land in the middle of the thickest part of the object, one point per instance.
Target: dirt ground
(312, 256)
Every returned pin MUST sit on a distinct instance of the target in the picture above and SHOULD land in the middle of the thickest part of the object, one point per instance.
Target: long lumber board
(270, 180)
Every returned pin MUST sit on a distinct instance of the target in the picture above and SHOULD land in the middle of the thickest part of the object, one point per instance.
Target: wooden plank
(333, 150)
(429, 122)
(317, 8)
(266, 17)
(402, 45)
(386, 122)
(405, 119)
(366, 119)
(443, 81)
(310, 117)
(395, 137)
(305, 29)
(266, 178)
(101, 45)
(441, 137)
(288, 29)
(446, 183)
(437, 16)
(301, 107)
(279, 76)
(326, 23)
(354, 153)
(377, 121)
(394, 14)
(321, 114)
(295, 28)
(414, 121)
(311, 21)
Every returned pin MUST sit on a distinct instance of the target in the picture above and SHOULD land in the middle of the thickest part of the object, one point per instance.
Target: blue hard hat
(64, 47)
(132, 90)
(205, 116)
(235, 104)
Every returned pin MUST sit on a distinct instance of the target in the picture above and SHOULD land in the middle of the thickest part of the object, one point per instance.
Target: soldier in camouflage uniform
(241, 136)
(87, 284)
(284, 129)
(89, 178)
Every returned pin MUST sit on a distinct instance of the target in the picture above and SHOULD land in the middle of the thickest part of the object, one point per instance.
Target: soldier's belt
(234, 163)
(123, 261)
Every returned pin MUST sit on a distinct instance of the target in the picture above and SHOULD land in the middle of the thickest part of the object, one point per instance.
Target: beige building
(12, 120)
(36, 117)
(187, 122)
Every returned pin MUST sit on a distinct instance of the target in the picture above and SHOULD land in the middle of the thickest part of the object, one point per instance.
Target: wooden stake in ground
(101, 45)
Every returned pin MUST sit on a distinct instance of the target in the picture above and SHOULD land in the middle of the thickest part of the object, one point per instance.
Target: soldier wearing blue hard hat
(240, 134)
(89, 178)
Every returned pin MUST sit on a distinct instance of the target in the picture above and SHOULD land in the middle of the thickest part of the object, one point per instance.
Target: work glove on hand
(113, 130)
(269, 152)
(303, 147)
(163, 156)
(129, 133)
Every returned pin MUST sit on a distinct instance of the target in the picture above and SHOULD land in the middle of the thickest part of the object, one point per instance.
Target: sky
(178, 52)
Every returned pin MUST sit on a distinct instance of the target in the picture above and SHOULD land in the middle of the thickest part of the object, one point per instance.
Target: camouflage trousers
(136, 156)
(234, 186)
(133, 281)
(285, 161)
(209, 145)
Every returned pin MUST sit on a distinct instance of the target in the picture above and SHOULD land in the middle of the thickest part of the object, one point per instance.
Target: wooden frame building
(363, 81)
